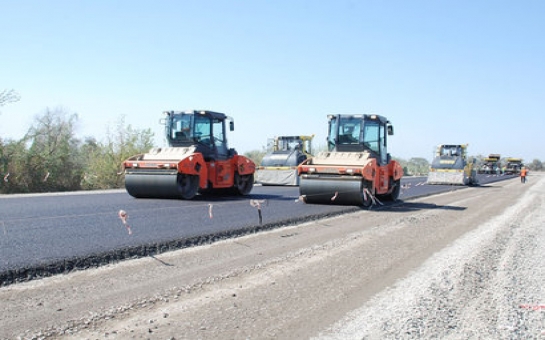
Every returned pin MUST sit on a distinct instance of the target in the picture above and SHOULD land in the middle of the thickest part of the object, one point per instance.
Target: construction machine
(491, 164)
(513, 166)
(451, 166)
(279, 165)
(197, 160)
(357, 168)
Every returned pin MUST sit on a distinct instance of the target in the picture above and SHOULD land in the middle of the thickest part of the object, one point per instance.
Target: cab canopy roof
(380, 118)
(212, 114)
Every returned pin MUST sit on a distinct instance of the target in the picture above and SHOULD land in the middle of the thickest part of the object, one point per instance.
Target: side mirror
(390, 129)
(163, 121)
(231, 126)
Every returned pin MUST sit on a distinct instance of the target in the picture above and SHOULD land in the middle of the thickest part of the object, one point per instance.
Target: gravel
(488, 284)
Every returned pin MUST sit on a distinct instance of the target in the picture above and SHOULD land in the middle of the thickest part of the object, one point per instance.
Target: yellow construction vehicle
(451, 166)
(491, 164)
(513, 166)
(279, 165)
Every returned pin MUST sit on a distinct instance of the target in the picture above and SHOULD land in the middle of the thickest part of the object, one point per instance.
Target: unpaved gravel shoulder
(488, 284)
(295, 282)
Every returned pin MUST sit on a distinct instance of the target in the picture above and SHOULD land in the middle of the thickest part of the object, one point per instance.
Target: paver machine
(197, 160)
(451, 166)
(279, 165)
(513, 166)
(357, 167)
(491, 164)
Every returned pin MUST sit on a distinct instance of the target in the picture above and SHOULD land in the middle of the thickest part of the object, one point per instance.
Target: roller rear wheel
(243, 184)
(188, 186)
(394, 195)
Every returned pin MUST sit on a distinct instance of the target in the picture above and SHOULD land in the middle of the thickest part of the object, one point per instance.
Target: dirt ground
(464, 264)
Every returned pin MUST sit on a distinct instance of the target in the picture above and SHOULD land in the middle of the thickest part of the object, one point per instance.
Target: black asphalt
(42, 235)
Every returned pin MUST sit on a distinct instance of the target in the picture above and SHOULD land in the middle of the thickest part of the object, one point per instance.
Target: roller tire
(208, 191)
(394, 195)
(243, 184)
(188, 186)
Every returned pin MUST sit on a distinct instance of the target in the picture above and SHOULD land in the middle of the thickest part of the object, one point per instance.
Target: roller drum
(447, 178)
(332, 190)
(152, 185)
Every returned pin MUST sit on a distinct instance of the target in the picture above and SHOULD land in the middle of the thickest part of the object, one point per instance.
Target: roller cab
(357, 167)
(197, 160)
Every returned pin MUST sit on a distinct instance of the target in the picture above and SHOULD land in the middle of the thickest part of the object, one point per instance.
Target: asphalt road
(46, 234)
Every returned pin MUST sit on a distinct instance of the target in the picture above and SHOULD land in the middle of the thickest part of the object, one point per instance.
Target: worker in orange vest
(523, 173)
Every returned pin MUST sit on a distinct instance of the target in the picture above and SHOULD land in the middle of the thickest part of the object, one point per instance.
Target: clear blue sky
(441, 71)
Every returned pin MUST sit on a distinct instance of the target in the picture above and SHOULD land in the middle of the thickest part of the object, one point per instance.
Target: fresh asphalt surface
(43, 234)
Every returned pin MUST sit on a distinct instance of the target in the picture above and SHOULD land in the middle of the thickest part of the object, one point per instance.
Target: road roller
(279, 165)
(196, 161)
(451, 166)
(357, 168)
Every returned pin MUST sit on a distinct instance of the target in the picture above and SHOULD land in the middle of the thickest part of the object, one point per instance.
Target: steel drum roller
(152, 185)
(346, 190)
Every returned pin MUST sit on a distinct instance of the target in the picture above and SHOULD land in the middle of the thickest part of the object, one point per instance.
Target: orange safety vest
(523, 172)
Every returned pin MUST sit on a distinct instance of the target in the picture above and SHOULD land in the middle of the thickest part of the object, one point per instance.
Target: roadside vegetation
(50, 157)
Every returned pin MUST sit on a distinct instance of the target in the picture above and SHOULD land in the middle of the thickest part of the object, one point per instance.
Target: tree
(45, 159)
(50, 157)
(103, 159)
(536, 165)
(52, 162)
(12, 155)
(419, 165)
(8, 96)
(256, 155)
(414, 166)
